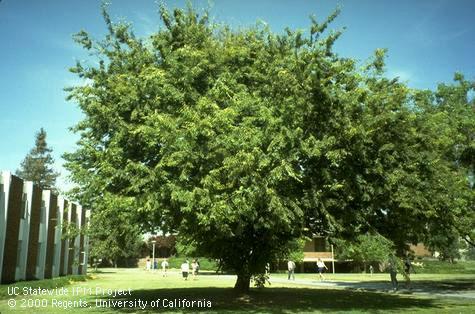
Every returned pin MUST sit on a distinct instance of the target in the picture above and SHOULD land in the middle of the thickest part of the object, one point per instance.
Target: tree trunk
(242, 283)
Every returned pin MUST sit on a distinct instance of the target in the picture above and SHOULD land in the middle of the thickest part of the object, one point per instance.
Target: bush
(205, 264)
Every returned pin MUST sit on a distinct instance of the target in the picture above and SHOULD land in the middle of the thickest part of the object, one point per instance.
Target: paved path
(381, 287)
(377, 286)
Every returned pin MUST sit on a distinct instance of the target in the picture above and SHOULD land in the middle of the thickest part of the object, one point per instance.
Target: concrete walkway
(380, 287)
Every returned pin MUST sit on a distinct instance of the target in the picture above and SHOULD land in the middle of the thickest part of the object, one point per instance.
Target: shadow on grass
(449, 285)
(276, 300)
(434, 286)
(211, 273)
(99, 271)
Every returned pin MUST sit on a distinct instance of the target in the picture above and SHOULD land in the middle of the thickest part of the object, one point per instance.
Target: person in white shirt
(164, 267)
(321, 268)
(185, 269)
(148, 264)
(291, 269)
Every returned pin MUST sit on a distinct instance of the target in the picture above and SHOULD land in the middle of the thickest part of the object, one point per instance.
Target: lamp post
(153, 254)
(333, 260)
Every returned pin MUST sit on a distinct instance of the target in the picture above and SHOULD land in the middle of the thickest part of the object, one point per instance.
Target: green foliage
(185, 248)
(243, 141)
(38, 164)
(205, 263)
(295, 250)
(450, 117)
(470, 253)
(260, 280)
(367, 248)
(113, 235)
(447, 244)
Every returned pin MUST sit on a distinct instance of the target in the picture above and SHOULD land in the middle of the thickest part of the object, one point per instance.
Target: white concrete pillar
(66, 246)
(43, 234)
(23, 236)
(57, 237)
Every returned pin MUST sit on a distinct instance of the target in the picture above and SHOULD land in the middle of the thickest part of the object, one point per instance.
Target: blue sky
(428, 40)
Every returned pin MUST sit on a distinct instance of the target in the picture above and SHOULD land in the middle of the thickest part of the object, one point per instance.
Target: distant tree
(38, 164)
(113, 235)
(367, 248)
(165, 246)
(447, 244)
(470, 253)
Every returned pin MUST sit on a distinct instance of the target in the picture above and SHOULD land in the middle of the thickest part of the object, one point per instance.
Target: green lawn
(279, 298)
(441, 267)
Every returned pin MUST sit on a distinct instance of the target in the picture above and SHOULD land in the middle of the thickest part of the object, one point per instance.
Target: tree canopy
(365, 249)
(38, 164)
(243, 141)
(113, 233)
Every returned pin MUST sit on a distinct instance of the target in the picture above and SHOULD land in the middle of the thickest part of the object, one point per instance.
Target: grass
(442, 267)
(278, 298)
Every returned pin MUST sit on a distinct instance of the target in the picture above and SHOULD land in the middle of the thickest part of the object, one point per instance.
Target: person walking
(194, 269)
(185, 269)
(407, 272)
(198, 266)
(393, 266)
(291, 269)
(164, 267)
(148, 264)
(321, 268)
(267, 269)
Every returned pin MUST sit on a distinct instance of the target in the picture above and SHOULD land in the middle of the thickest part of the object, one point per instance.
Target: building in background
(314, 249)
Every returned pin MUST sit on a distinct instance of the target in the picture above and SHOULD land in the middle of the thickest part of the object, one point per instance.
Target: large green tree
(38, 164)
(244, 141)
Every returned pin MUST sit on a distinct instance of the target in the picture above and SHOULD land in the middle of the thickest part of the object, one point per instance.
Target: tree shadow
(449, 286)
(270, 300)
(100, 271)
(434, 286)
